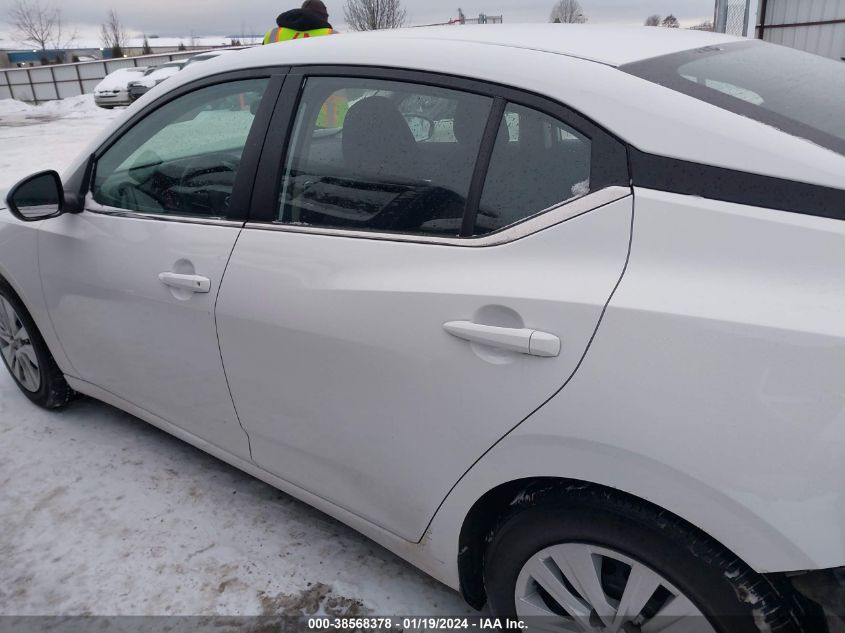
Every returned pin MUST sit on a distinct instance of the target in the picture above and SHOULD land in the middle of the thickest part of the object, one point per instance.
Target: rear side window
(405, 155)
(383, 156)
(794, 91)
(538, 162)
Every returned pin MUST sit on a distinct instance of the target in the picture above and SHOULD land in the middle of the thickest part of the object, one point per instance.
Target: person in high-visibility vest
(311, 20)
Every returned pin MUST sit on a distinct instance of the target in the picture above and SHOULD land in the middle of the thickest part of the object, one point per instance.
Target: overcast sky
(233, 17)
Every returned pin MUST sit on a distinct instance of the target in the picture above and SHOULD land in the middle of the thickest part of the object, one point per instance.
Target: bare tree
(39, 24)
(707, 25)
(113, 35)
(568, 12)
(372, 15)
(670, 21)
(653, 20)
(146, 49)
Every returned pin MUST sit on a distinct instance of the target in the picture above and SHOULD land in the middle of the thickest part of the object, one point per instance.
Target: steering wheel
(195, 169)
(130, 196)
(196, 185)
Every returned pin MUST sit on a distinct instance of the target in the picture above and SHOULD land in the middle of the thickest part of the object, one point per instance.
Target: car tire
(50, 390)
(624, 539)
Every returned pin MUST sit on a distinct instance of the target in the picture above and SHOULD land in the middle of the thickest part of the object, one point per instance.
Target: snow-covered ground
(48, 136)
(101, 513)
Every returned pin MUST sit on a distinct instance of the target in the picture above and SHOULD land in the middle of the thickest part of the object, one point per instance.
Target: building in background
(815, 26)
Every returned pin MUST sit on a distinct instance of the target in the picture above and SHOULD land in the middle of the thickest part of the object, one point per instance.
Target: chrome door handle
(194, 283)
(522, 340)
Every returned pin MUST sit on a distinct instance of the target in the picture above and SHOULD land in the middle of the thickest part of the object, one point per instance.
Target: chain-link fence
(732, 16)
(47, 83)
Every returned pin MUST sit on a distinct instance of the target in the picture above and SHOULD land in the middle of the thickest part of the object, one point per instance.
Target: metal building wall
(815, 26)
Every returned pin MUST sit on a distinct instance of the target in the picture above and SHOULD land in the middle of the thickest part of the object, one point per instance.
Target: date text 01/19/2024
(413, 624)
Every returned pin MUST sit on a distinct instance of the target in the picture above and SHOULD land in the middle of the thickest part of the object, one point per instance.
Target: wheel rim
(16, 348)
(582, 588)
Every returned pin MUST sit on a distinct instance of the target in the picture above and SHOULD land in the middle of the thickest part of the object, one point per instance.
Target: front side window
(183, 158)
(384, 156)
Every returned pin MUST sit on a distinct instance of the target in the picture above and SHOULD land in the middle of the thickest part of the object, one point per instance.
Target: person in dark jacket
(311, 20)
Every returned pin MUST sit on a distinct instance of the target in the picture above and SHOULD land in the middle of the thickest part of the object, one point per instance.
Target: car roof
(607, 44)
(572, 64)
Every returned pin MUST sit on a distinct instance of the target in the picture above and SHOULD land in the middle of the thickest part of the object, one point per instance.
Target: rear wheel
(595, 561)
(26, 356)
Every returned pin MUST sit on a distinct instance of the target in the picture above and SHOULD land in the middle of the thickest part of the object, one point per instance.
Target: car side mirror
(37, 197)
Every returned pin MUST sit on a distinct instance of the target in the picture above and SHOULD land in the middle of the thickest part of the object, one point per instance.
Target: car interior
(373, 173)
(391, 161)
(187, 168)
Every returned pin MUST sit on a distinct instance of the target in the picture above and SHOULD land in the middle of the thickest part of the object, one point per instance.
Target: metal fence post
(31, 86)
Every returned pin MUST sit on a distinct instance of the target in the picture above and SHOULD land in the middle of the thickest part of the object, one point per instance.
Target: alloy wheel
(16, 348)
(583, 588)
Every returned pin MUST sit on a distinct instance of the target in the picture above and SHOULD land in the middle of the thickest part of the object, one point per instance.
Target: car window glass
(382, 156)
(538, 162)
(796, 92)
(183, 157)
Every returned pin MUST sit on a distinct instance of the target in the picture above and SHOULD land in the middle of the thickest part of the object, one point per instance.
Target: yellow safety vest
(283, 34)
(333, 112)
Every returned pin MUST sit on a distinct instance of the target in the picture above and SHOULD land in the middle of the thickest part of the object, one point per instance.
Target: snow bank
(72, 107)
(65, 127)
(13, 106)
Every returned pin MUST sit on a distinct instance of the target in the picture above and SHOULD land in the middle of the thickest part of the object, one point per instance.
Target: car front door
(131, 282)
(429, 269)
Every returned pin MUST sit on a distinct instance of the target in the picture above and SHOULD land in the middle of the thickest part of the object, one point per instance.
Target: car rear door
(426, 265)
(131, 282)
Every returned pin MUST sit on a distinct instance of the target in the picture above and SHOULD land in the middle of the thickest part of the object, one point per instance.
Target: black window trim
(482, 165)
(609, 167)
(673, 175)
(82, 181)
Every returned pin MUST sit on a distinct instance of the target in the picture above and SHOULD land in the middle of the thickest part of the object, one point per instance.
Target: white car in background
(113, 90)
(556, 313)
(153, 77)
(204, 57)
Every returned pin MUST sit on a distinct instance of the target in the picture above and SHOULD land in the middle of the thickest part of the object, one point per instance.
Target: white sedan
(113, 90)
(556, 313)
(153, 77)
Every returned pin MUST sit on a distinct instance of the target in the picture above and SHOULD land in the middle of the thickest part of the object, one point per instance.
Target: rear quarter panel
(715, 386)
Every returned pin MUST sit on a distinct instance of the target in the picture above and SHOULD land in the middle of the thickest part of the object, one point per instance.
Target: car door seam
(219, 348)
